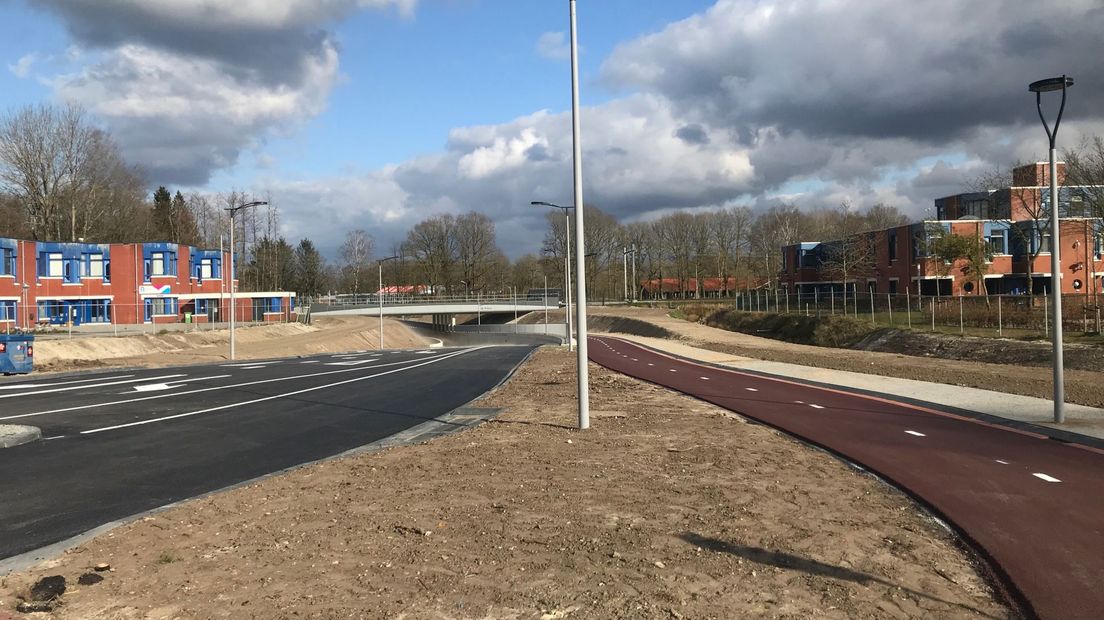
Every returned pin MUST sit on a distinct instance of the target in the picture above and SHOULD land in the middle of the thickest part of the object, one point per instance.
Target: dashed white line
(673, 370)
(88, 386)
(816, 407)
(1046, 478)
(251, 367)
(1001, 462)
(916, 434)
(704, 378)
(800, 402)
(751, 389)
(311, 362)
(24, 386)
(651, 364)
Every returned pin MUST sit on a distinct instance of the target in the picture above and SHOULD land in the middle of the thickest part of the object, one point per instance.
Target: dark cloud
(692, 134)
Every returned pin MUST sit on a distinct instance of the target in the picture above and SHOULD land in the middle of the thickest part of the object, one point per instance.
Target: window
(201, 306)
(7, 311)
(206, 268)
(157, 264)
(998, 242)
(274, 305)
(893, 287)
(94, 266)
(162, 306)
(55, 265)
(7, 262)
(1099, 245)
(892, 246)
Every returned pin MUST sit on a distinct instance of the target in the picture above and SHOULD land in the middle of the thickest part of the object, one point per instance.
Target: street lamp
(233, 309)
(567, 263)
(379, 294)
(580, 282)
(1040, 87)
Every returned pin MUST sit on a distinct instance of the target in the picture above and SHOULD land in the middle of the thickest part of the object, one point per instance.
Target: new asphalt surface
(1032, 505)
(119, 443)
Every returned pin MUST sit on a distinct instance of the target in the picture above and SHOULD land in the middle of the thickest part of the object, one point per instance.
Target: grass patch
(829, 331)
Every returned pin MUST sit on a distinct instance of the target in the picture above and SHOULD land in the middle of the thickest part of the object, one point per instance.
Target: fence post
(908, 306)
(1000, 317)
(961, 324)
(816, 300)
(933, 312)
(1046, 315)
(889, 304)
(872, 306)
(833, 304)
(807, 310)
(787, 301)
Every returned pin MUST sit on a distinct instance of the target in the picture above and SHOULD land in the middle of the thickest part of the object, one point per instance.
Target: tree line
(64, 179)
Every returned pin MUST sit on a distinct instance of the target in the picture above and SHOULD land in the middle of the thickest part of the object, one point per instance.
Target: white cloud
(553, 46)
(22, 67)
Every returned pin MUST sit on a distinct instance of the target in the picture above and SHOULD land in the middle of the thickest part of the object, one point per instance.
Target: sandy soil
(666, 508)
(1082, 386)
(325, 335)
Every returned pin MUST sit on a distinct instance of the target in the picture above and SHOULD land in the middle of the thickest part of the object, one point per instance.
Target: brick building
(1013, 224)
(44, 283)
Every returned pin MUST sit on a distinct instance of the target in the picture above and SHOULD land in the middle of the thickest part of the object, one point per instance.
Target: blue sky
(381, 113)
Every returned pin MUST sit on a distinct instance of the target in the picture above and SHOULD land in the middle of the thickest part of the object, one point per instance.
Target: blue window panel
(7, 310)
(274, 304)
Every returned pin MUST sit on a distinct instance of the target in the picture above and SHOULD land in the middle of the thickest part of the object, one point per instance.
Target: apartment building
(1011, 221)
(50, 283)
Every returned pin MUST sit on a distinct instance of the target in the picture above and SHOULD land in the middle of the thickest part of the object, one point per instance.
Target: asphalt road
(1034, 506)
(119, 443)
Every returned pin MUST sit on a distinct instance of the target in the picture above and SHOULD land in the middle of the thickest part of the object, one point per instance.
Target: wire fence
(1004, 315)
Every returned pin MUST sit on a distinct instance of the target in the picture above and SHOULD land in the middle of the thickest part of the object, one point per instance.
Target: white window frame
(55, 265)
(157, 264)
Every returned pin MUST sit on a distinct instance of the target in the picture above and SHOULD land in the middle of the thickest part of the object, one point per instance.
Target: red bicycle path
(1032, 506)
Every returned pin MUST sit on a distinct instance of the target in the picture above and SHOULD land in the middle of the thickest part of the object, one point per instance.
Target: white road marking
(251, 367)
(93, 385)
(154, 387)
(1046, 478)
(311, 362)
(816, 407)
(635, 360)
(916, 434)
(800, 402)
(704, 378)
(201, 390)
(651, 364)
(244, 364)
(673, 370)
(350, 363)
(277, 396)
(1002, 462)
(53, 438)
(23, 386)
(751, 389)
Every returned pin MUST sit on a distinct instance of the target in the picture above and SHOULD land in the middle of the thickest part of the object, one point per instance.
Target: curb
(12, 435)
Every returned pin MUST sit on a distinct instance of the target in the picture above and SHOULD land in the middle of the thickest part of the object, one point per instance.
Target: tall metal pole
(567, 280)
(233, 309)
(580, 321)
(625, 272)
(379, 298)
(1039, 88)
(635, 284)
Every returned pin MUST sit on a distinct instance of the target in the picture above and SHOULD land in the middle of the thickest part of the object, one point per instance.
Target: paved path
(119, 443)
(1033, 505)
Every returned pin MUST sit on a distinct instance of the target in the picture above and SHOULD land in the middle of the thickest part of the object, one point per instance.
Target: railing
(360, 301)
(1002, 315)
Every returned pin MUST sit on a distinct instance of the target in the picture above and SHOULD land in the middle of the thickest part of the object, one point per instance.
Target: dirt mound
(326, 335)
(992, 350)
(624, 325)
(831, 331)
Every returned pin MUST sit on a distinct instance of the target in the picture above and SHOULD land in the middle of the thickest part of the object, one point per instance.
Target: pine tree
(161, 223)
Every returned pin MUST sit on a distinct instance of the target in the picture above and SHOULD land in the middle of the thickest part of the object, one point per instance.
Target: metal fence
(1024, 315)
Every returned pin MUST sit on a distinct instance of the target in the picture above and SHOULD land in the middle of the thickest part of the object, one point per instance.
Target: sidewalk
(1087, 422)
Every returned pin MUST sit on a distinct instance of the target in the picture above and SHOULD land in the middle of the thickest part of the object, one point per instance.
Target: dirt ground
(1082, 386)
(666, 508)
(324, 335)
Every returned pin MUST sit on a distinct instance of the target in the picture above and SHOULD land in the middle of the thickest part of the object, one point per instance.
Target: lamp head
(1049, 84)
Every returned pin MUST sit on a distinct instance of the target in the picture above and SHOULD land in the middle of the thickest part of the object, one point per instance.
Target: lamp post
(379, 295)
(1042, 86)
(567, 262)
(233, 310)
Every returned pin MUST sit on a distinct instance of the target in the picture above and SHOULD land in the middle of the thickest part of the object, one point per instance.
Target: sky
(377, 114)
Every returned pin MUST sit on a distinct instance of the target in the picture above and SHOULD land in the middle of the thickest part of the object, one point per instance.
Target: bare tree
(476, 250)
(730, 231)
(854, 256)
(432, 243)
(356, 254)
(67, 174)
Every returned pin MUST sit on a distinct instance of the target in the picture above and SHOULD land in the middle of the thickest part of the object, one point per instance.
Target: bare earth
(666, 508)
(325, 335)
(1082, 386)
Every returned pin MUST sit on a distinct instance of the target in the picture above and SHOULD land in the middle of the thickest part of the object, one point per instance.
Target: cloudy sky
(376, 114)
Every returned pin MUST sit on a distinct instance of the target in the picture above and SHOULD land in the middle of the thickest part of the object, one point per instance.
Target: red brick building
(44, 283)
(1011, 221)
